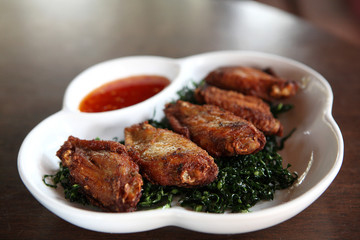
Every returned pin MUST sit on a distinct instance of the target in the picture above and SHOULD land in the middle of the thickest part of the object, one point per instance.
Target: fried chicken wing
(168, 158)
(251, 81)
(251, 108)
(105, 172)
(219, 132)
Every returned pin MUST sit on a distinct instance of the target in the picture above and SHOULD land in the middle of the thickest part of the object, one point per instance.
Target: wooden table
(45, 44)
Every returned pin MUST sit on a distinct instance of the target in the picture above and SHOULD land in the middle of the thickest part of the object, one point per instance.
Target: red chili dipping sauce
(122, 93)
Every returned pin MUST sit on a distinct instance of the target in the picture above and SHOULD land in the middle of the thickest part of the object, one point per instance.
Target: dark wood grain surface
(45, 44)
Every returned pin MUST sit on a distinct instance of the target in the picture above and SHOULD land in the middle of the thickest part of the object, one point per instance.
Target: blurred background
(338, 17)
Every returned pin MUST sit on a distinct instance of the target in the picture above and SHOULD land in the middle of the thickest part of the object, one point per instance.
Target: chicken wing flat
(251, 81)
(219, 132)
(168, 158)
(251, 108)
(105, 172)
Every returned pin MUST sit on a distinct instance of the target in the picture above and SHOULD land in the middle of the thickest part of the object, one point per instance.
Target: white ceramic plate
(315, 150)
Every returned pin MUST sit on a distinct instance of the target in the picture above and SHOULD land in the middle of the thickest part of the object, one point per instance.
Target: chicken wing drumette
(251, 81)
(219, 132)
(168, 158)
(250, 108)
(105, 172)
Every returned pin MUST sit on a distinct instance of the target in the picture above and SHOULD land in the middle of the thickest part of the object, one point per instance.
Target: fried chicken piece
(251, 108)
(167, 158)
(105, 171)
(219, 132)
(251, 81)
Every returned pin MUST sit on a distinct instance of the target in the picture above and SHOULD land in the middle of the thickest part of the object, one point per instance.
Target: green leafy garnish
(155, 196)
(279, 108)
(72, 191)
(187, 92)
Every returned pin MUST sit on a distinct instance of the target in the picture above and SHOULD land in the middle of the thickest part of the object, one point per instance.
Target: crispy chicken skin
(105, 172)
(219, 132)
(167, 158)
(251, 108)
(251, 81)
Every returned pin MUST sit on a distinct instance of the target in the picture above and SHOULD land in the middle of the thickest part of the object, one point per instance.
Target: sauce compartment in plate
(110, 124)
(118, 69)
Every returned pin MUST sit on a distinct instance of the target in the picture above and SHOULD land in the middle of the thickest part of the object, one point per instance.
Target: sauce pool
(123, 93)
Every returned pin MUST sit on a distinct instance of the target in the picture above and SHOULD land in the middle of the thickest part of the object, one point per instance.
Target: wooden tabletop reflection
(45, 44)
